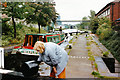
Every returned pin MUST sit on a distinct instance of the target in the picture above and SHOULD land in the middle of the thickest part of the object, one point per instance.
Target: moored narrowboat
(30, 40)
(24, 53)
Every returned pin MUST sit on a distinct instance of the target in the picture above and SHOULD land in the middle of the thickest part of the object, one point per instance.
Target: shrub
(109, 37)
(105, 54)
(95, 74)
(21, 30)
(114, 36)
(96, 66)
(88, 48)
(88, 43)
(105, 33)
(5, 42)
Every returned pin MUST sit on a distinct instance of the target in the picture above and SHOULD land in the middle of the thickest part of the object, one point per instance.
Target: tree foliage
(18, 13)
(109, 36)
(14, 10)
(41, 13)
(93, 21)
(83, 24)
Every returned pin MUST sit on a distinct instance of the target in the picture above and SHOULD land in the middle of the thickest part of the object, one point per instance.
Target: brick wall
(116, 11)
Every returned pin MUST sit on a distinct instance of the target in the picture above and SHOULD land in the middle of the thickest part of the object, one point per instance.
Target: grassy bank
(113, 44)
(8, 36)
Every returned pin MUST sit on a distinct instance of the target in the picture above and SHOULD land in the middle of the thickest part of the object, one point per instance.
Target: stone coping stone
(102, 68)
(117, 70)
(10, 72)
(116, 62)
(117, 65)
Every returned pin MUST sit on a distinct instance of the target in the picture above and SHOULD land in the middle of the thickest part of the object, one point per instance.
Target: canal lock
(112, 64)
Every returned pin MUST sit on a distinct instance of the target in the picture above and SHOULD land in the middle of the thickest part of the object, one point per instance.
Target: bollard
(70, 46)
(70, 34)
(1, 57)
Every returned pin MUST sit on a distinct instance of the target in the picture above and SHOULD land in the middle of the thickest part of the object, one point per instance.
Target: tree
(14, 10)
(92, 15)
(94, 24)
(5, 26)
(84, 24)
(93, 21)
(40, 13)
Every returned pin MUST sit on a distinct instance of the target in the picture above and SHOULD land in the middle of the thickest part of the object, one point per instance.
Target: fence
(1, 57)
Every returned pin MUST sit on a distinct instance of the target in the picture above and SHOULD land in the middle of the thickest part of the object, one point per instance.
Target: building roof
(107, 6)
(116, 0)
(104, 8)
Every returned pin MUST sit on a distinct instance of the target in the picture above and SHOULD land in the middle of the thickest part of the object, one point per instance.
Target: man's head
(39, 46)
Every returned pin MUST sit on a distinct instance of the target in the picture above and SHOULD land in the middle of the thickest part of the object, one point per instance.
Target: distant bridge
(73, 21)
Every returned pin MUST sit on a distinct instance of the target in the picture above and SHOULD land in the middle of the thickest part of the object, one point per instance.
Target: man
(53, 55)
(60, 29)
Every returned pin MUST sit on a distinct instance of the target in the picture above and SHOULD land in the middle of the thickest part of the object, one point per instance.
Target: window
(108, 12)
(54, 39)
(50, 39)
(40, 38)
(26, 40)
(35, 39)
(57, 39)
(30, 39)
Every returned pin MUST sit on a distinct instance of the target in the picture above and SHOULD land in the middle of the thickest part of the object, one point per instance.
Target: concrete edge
(102, 68)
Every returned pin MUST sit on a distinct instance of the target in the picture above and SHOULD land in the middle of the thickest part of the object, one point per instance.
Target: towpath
(78, 65)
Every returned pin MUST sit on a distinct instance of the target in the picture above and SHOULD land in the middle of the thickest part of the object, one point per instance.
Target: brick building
(111, 10)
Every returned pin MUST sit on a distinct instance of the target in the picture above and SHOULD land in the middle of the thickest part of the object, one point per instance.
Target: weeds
(88, 43)
(69, 52)
(88, 48)
(105, 54)
(97, 74)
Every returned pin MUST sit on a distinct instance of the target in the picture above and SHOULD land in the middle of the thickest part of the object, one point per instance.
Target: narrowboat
(24, 53)
(31, 39)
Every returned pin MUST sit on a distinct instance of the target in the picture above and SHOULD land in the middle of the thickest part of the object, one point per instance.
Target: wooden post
(1, 57)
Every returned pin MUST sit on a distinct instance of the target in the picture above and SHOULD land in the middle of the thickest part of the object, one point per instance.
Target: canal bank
(107, 65)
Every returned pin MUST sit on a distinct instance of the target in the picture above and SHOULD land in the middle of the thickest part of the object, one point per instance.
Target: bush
(113, 44)
(21, 30)
(88, 43)
(6, 28)
(95, 74)
(105, 34)
(116, 48)
(96, 66)
(90, 53)
(92, 58)
(105, 54)
(109, 37)
(88, 48)
(114, 36)
(5, 42)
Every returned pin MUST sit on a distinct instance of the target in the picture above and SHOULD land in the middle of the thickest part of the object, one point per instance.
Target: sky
(77, 9)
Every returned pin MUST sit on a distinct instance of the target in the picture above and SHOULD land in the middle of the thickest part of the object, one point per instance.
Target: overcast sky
(77, 9)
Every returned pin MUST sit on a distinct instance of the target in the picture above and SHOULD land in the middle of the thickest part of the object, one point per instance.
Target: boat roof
(43, 34)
